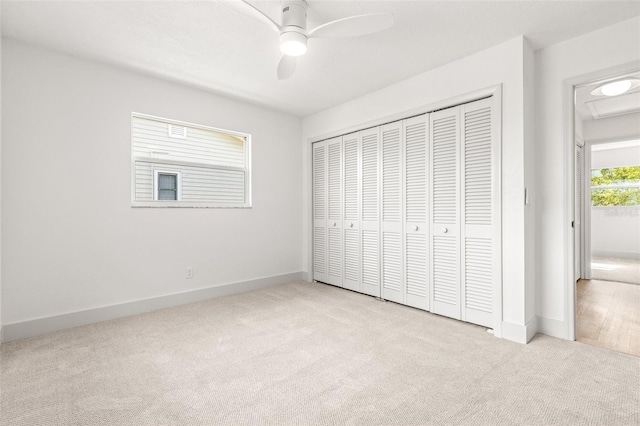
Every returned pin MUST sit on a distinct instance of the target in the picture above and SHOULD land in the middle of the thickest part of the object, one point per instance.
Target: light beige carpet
(309, 354)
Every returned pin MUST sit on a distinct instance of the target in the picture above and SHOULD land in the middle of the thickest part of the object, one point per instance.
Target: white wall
(579, 128)
(530, 185)
(608, 47)
(618, 128)
(502, 64)
(617, 157)
(71, 240)
(615, 231)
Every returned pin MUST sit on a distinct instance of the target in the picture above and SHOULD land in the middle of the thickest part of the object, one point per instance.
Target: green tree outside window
(615, 187)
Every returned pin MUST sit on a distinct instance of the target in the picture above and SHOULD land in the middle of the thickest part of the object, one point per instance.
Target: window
(615, 187)
(177, 164)
(166, 186)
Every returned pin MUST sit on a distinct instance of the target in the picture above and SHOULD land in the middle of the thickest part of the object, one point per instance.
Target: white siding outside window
(211, 167)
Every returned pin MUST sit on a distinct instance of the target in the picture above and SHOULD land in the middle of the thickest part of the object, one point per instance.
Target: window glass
(615, 187)
(201, 166)
(167, 186)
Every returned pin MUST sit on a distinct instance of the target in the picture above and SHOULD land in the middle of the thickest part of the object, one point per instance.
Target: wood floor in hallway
(609, 315)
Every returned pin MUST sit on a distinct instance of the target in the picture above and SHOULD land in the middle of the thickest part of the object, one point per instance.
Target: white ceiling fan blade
(353, 26)
(286, 67)
(252, 11)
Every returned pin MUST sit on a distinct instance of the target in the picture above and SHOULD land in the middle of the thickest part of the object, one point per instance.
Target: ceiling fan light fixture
(292, 28)
(616, 88)
(293, 43)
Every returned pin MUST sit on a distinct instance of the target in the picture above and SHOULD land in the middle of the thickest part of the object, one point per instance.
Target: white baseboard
(21, 330)
(615, 254)
(520, 333)
(552, 327)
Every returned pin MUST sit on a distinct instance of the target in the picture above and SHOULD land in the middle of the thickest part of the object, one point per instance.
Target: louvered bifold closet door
(392, 212)
(477, 213)
(445, 213)
(351, 225)
(416, 227)
(334, 212)
(320, 211)
(370, 212)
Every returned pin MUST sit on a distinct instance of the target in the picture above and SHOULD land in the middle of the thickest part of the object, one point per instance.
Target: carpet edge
(35, 327)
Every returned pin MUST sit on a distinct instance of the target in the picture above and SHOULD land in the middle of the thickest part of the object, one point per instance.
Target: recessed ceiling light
(616, 88)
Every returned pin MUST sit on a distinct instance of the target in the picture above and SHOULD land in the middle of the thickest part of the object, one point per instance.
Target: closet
(407, 211)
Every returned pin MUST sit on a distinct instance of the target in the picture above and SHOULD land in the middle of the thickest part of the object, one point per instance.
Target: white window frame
(159, 162)
(156, 186)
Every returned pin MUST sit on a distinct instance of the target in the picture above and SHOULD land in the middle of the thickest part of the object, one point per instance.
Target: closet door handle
(351, 225)
(415, 228)
(445, 230)
(334, 224)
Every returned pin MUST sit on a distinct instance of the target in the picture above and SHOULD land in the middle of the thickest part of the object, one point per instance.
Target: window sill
(187, 205)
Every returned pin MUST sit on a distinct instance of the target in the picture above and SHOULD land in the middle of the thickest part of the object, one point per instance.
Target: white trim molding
(551, 327)
(520, 333)
(156, 183)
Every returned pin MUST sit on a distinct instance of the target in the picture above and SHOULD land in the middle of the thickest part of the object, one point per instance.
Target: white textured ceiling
(211, 45)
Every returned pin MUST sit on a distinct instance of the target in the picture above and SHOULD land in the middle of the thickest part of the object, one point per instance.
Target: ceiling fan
(294, 34)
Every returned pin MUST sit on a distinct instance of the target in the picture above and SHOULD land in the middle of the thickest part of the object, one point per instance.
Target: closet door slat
(320, 211)
(335, 259)
(351, 225)
(392, 142)
(416, 226)
(477, 251)
(370, 211)
(445, 212)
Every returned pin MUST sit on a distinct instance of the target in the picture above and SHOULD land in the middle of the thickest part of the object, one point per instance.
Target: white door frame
(586, 213)
(584, 224)
(578, 225)
(569, 179)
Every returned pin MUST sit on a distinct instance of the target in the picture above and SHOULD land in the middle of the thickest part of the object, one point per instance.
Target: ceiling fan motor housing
(294, 14)
(293, 36)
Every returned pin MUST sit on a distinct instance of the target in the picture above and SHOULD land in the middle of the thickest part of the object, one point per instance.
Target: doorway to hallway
(607, 216)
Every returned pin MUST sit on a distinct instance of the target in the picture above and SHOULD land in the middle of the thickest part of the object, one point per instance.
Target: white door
(416, 226)
(370, 211)
(391, 206)
(351, 225)
(334, 210)
(477, 230)
(320, 211)
(445, 212)
(465, 230)
(410, 211)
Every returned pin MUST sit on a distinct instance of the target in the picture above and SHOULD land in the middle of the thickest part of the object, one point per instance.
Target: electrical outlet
(189, 271)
